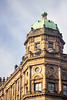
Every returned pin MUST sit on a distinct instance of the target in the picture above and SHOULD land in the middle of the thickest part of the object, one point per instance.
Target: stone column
(11, 93)
(44, 78)
(6, 94)
(20, 84)
(23, 84)
(60, 85)
(15, 89)
(29, 75)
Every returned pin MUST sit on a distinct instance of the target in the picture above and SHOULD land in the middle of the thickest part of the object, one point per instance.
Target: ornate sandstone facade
(42, 74)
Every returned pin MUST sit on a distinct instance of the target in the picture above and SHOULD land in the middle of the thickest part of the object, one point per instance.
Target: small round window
(51, 69)
(37, 69)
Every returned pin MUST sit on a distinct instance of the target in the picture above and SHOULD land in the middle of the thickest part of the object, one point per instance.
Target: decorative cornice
(42, 94)
(49, 34)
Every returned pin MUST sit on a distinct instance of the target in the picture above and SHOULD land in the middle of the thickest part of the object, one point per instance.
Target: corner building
(42, 74)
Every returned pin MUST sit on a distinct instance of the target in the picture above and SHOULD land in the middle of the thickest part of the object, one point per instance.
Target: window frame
(37, 69)
(49, 44)
(51, 83)
(37, 47)
(64, 77)
(65, 89)
(36, 88)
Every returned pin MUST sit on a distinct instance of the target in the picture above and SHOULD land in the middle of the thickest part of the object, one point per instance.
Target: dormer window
(50, 45)
(37, 45)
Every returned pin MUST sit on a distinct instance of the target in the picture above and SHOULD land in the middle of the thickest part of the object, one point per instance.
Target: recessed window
(50, 45)
(37, 69)
(37, 86)
(51, 69)
(64, 74)
(26, 89)
(27, 73)
(38, 45)
(51, 86)
(65, 89)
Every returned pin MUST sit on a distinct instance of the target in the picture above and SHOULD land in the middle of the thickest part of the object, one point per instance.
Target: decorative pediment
(37, 76)
(51, 77)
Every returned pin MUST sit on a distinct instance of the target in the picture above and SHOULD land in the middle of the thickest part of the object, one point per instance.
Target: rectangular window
(64, 74)
(52, 86)
(38, 45)
(65, 89)
(26, 89)
(37, 86)
(50, 45)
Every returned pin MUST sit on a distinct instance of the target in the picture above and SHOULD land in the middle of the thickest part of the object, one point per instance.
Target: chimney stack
(3, 79)
(0, 79)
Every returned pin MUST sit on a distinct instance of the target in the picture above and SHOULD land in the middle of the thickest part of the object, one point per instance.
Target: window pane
(51, 86)
(64, 74)
(36, 69)
(64, 86)
(65, 89)
(37, 86)
(38, 45)
(50, 45)
(64, 77)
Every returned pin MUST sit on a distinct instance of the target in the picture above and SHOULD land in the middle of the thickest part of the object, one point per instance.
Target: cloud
(6, 61)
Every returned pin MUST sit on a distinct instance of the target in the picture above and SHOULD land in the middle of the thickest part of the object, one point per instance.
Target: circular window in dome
(37, 69)
(51, 69)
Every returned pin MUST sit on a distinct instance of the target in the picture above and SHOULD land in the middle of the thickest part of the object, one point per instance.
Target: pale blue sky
(16, 18)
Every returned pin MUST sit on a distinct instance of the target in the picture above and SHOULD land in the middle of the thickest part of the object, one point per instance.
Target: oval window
(52, 69)
(37, 69)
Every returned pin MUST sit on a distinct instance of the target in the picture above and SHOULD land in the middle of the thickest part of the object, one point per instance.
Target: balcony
(36, 53)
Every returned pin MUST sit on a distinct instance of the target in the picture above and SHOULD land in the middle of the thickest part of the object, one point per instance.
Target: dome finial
(44, 14)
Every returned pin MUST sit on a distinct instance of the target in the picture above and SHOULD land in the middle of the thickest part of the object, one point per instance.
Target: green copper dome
(44, 21)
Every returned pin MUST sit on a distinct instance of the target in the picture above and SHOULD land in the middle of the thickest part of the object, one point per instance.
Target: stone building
(42, 74)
